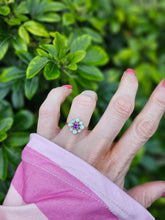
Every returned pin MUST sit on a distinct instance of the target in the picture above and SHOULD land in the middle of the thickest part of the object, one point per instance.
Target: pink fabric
(56, 193)
(55, 184)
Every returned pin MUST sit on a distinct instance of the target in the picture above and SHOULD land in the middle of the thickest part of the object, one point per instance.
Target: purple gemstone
(76, 125)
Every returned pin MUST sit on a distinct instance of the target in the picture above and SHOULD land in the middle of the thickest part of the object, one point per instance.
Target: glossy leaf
(55, 6)
(17, 99)
(31, 86)
(36, 65)
(80, 43)
(90, 72)
(4, 10)
(95, 56)
(24, 34)
(23, 120)
(17, 139)
(4, 45)
(68, 19)
(3, 164)
(36, 28)
(51, 49)
(14, 156)
(25, 56)
(51, 71)
(49, 17)
(12, 73)
(78, 56)
(19, 44)
(3, 136)
(5, 124)
(61, 45)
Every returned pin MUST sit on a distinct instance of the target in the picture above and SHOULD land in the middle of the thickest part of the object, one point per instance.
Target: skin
(97, 147)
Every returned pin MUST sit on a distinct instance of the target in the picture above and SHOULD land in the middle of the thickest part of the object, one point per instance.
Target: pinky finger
(148, 193)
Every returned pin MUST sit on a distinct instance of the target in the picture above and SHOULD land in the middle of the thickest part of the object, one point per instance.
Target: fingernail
(163, 83)
(90, 93)
(67, 86)
(131, 71)
(163, 194)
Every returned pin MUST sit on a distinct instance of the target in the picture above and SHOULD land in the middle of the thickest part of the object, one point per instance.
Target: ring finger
(80, 114)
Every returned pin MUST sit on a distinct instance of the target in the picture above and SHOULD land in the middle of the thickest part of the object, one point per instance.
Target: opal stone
(82, 127)
(74, 132)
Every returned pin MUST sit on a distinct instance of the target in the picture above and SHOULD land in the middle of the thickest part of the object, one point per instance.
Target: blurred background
(88, 44)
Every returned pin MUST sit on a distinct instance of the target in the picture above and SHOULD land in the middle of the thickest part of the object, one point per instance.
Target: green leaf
(68, 18)
(14, 155)
(90, 72)
(72, 66)
(31, 86)
(36, 65)
(54, 6)
(5, 109)
(78, 56)
(24, 34)
(4, 45)
(5, 124)
(41, 52)
(51, 71)
(3, 164)
(3, 136)
(12, 73)
(17, 139)
(4, 10)
(49, 17)
(96, 37)
(19, 44)
(5, 89)
(87, 83)
(61, 44)
(80, 43)
(23, 120)
(36, 28)
(95, 56)
(21, 8)
(51, 49)
(25, 56)
(18, 99)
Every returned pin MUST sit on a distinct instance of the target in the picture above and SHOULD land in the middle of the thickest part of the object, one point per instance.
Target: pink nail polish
(131, 71)
(163, 194)
(68, 86)
(163, 83)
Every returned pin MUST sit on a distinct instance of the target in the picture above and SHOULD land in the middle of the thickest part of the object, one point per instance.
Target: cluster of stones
(76, 126)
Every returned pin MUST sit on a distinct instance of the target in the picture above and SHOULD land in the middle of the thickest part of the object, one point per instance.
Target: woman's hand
(96, 147)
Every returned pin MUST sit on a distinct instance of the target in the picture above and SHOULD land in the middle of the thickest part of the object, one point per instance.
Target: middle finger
(118, 111)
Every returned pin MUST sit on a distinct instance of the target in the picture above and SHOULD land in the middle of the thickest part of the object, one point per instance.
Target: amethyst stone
(76, 126)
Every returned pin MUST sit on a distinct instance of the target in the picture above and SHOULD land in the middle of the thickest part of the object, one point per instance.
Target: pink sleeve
(52, 183)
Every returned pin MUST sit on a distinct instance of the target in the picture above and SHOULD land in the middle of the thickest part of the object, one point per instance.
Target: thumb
(147, 193)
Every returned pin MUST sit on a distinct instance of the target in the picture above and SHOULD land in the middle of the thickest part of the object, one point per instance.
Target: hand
(97, 147)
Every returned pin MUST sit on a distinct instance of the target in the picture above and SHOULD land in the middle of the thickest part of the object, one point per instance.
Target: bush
(85, 43)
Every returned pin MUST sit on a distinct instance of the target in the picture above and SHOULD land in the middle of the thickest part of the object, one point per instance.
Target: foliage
(85, 43)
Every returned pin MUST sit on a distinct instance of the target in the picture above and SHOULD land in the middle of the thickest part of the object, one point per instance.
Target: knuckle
(159, 100)
(44, 110)
(124, 106)
(83, 100)
(145, 128)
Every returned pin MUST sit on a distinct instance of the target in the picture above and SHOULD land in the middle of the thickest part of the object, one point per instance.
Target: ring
(76, 126)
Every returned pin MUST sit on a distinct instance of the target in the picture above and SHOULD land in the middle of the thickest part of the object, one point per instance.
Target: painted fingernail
(67, 86)
(163, 194)
(131, 71)
(164, 83)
